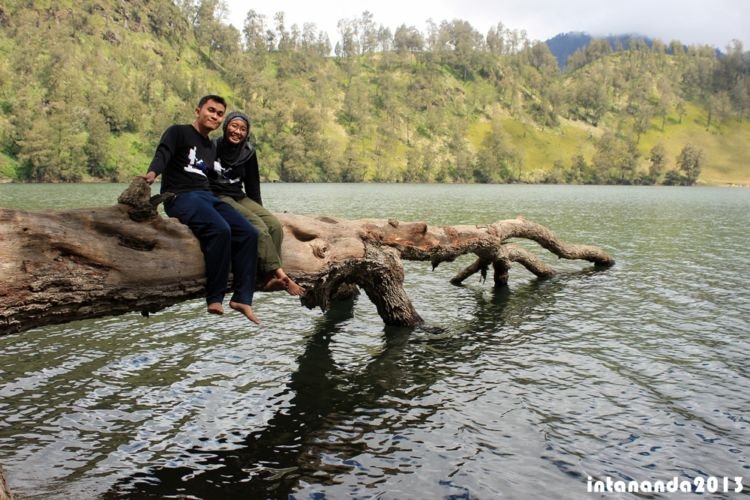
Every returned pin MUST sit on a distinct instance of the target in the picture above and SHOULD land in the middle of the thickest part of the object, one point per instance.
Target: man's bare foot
(215, 308)
(293, 288)
(246, 310)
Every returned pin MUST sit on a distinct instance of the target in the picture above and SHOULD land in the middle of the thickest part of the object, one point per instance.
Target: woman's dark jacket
(236, 167)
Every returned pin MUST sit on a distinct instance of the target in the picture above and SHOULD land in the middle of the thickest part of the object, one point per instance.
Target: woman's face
(236, 132)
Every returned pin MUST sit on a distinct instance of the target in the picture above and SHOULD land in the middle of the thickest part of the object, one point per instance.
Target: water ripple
(637, 372)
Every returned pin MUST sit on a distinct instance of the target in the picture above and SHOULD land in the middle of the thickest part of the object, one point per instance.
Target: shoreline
(736, 184)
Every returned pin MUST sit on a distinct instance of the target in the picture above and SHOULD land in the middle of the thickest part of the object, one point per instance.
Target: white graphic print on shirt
(223, 174)
(195, 166)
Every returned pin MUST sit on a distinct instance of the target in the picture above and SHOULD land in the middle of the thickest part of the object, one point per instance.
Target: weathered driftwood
(59, 266)
(5, 493)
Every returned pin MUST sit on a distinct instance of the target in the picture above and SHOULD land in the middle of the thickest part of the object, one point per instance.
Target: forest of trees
(86, 89)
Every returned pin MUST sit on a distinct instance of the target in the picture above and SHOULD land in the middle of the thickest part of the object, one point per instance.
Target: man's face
(209, 116)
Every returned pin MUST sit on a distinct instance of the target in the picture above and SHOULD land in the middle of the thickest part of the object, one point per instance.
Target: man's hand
(149, 177)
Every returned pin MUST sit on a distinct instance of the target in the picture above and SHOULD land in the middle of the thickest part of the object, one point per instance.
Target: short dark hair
(211, 97)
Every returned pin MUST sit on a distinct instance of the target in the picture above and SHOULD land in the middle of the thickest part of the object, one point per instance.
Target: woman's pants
(269, 228)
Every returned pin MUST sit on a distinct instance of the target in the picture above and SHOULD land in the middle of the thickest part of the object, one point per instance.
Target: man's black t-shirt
(184, 159)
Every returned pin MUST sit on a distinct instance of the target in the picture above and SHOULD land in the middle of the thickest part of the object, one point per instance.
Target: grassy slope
(540, 149)
(726, 151)
(725, 148)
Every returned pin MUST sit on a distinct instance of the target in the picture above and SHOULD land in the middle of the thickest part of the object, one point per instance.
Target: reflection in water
(266, 464)
(275, 460)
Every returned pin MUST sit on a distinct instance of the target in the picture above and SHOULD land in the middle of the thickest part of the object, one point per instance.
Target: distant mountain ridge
(564, 45)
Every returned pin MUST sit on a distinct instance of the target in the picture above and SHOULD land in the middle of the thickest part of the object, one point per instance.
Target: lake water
(639, 372)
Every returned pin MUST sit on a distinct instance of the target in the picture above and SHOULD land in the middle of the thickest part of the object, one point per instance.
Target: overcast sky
(712, 22)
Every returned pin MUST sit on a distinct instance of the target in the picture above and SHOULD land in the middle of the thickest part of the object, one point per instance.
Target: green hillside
(86, 89)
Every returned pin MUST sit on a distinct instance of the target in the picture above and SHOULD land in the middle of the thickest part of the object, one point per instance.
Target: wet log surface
(60, 266)
(5, 493)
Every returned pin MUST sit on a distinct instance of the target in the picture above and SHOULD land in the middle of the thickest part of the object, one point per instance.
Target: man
(184, 158)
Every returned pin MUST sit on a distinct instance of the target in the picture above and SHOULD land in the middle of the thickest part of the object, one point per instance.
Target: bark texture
(5, 493)
(67, 265)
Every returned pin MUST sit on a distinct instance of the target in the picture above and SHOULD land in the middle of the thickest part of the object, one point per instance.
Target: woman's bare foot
(215, 308)
(293, 288)
(288, 284)
(273, 285)
(246, 310)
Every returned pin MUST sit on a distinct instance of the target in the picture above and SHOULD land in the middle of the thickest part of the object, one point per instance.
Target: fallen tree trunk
(5, 493)
(85, 263)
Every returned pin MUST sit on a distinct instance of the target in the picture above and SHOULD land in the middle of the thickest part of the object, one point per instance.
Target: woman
(237, 166)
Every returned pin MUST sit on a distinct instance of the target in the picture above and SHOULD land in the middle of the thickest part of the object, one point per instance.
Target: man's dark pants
(227, 239)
